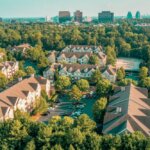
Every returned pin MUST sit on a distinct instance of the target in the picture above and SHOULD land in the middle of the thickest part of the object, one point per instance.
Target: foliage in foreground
(63, 134)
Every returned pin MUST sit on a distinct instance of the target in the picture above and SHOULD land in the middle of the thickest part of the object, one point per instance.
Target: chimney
(20, 79)
(32, 75)
(123, 88)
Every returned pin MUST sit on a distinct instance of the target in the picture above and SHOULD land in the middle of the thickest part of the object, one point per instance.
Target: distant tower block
(129, 15)
(78, 16)
(138, 15)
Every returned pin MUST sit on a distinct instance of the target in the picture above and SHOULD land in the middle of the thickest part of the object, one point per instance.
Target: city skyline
(42, 8)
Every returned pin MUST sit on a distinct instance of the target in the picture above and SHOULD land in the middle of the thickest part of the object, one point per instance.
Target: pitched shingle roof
(20, 90)
(22, 46)
(75, 67)
(85, 47)
(111, 70)
(76, 54)
(128, 110)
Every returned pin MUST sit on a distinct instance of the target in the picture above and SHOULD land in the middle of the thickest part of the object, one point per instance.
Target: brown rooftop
(75, 67)
(111, 70)
(128, 110)
(77, 54)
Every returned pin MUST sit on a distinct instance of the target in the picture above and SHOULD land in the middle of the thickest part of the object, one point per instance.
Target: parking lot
(70, 108)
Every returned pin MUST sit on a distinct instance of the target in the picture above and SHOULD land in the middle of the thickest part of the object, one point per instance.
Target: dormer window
(86, 70)
(70, 69)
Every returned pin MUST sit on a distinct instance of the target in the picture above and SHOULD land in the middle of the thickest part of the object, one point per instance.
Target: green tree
(19, 74)
(71, 147)
(62, 83)
(30, 145)
(148, 144)
(30, 70)
(94, 60)
(3, 80)
(96, 76)
(103, 87)
(143, 72)
(145, 83)
(85, 124)
(83, 84)
(92, 141)
(75, 93)
(40, 106)
(120, 74)
(21, 114)
(75, 136)
(111, 55)
(134, 140)
(99, 109)
(126, 82)
(57, 147)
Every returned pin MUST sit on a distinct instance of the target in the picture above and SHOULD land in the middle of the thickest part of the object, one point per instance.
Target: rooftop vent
(123, 89)
(20, 79)
(118, 110)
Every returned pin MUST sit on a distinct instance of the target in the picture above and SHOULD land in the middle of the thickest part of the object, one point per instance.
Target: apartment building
(128, 111)
(64, 16)
(78, 16)
(22, 96)
(75, 71)
(110, 73)
(80, 57)
(8, 68)
(106, 17)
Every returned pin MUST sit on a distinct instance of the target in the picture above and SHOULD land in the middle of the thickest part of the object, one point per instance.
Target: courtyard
(69, 108)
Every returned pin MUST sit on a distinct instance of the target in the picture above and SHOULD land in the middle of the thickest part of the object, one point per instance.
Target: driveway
(61, 109)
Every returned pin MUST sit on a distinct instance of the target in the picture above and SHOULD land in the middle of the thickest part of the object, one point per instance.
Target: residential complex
(22, 96)
(106, 17)
(78, 16)
(64, 16)
(79, 55)
(75, 71)
(8, 68)
(128, 111)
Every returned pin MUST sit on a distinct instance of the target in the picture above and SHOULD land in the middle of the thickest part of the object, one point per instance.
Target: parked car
(51, 108)
(80, 106)
(45, 113)
(78, 103)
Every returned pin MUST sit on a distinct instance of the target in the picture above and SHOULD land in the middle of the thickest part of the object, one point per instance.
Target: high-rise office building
(129, 15)
(64, 16)
(78, 16)
(138, 15)
(106, 17)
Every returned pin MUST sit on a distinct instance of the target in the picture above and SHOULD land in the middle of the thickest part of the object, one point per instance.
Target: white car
(51, 108)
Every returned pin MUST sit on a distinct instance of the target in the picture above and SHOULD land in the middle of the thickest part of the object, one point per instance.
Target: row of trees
(144, 78)
(125, 39)
(65, 134)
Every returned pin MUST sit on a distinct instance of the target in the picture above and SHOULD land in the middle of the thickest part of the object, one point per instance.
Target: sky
(42, 8)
